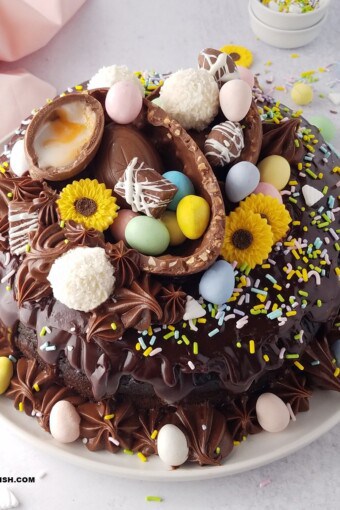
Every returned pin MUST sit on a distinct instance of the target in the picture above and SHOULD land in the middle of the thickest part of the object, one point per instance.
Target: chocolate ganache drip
(125, 261)
(31, 279)
(280, 139)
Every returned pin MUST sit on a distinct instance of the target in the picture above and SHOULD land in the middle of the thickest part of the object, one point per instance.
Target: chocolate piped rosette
(169, 263)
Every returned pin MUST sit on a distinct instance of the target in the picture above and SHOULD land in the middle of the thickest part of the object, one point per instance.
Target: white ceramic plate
(256, 451)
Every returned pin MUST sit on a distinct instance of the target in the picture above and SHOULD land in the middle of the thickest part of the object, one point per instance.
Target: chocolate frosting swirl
(4, 226)
(7, 185)
(125, 261)
(293, 389)
(321, 375)
(21, 390)
(31, 279)
(26, 190)
(46, 205)
(96, 426)
(241, 417)
(50, 397)
(132, 308)
(173, 302)
(150, 421)
(208, 437)
(79, 235)
(280, 139)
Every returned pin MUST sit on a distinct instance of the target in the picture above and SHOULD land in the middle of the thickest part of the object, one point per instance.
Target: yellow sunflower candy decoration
(271, 210)
(240, 55)
(248, 238)
(89, 203)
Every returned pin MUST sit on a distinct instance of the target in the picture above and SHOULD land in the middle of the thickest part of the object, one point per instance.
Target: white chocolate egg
(172, 445)
(18, 161)
(235, 99)
(272, 413)
(64, 422)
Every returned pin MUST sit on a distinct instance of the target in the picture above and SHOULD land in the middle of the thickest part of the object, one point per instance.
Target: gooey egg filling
(60, 139)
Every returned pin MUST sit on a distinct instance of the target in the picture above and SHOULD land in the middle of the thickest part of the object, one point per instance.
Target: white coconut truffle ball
(82, 278)
(108, 76)
(191, 96)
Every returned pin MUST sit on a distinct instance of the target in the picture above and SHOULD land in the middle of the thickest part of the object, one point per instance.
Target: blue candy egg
(242, 179)
(217, 283)
(184, 185)
(336, 352)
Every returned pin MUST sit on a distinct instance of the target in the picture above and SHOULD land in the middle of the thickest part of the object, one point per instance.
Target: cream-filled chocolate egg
(224, 143)
(64, 136)
(219, 64)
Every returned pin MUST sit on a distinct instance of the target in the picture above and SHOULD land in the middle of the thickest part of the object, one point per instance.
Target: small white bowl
(289, 21)
(284, 38)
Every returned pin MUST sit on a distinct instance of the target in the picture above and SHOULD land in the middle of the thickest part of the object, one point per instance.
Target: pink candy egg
(123, 102)
(119, 225)
(268, 189)
(235, 99)
(246, 75)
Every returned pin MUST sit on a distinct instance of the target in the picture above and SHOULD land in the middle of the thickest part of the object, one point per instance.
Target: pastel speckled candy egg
(6, 373)
(170, 221)
(268, 189)
(235, 99)
(241, 180)
(64, 422)
(274, 170)
(184, 185)
(172, 445)
(193, 215)
(217, 283)
(301, 93)
(246, 75)
(147, 235)
(272, 413)
(336, 351)
(117, 228)
(18, 161)
(123, 102)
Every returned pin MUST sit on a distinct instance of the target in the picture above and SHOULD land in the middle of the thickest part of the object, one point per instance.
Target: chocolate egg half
(64, 136)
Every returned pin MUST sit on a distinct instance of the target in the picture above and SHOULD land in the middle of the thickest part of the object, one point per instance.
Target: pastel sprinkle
(141, 457)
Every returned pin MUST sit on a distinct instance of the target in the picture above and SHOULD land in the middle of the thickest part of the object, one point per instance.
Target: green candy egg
(6, 373)
(147, 235)
(326, 126)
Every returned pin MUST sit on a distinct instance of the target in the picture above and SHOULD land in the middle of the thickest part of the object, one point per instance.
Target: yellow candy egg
(302, 93)
(274, 170)
(193, 215)
(6, 373)
(170, 221)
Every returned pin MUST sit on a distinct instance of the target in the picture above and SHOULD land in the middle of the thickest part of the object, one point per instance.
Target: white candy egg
(242, 179)
(235, 99)
(64, 422)
(18, 161)
(272, 413)
(172, 445)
